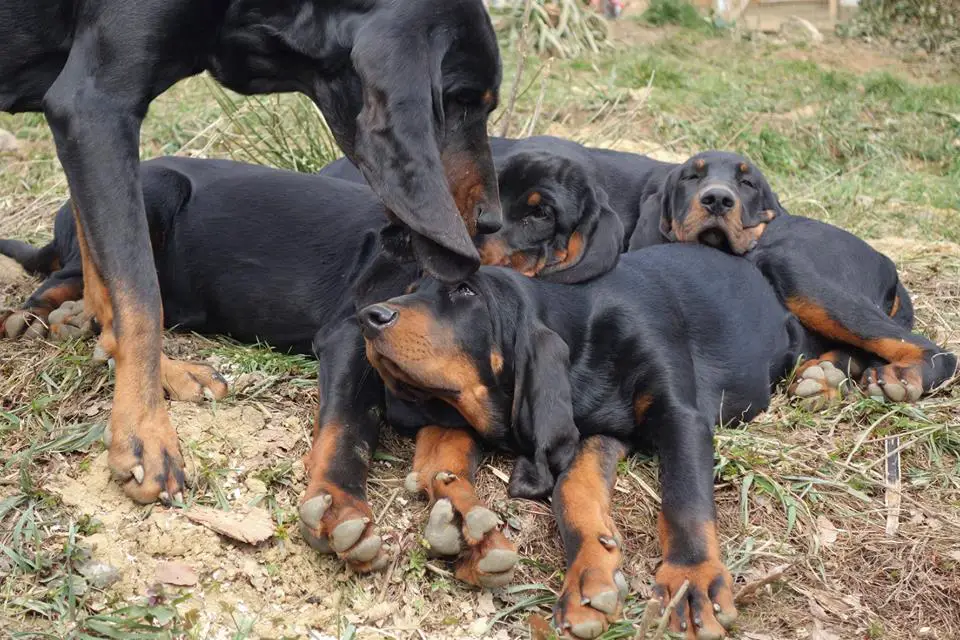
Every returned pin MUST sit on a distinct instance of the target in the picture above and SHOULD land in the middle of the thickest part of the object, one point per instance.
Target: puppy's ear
(667, 195)
(594, 246)
(768, 207)
(542, 411)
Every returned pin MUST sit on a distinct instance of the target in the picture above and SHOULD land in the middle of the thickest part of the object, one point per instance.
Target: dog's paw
(818, 384)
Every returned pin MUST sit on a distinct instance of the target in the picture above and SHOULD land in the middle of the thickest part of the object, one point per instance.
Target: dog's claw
(107, 436)
(445, 477)
(137, 472)
(609, 542)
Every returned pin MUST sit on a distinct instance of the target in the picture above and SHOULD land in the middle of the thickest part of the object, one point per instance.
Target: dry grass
(796, 489)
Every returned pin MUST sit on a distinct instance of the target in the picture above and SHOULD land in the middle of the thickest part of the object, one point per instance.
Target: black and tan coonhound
(406, 87)
(573, 377)
(834, 282)
(276, 256)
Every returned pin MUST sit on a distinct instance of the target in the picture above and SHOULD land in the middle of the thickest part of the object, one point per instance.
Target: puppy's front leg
(594, 588)
(687, 529)
(334, 514)
(459, 524)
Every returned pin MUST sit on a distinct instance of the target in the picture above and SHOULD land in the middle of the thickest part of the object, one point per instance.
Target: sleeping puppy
(568, 210)
(235, 252)
(573, 378)
(834, 282)
(837, 284)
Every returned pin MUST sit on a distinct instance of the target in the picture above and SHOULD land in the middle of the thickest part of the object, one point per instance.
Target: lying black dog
(407, 88)
(264, 254)
(652, 354)
(256, 253)
(834, 282)
(568, 210)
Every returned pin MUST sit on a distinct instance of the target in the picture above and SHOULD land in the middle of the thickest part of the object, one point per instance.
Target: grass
(846, 133)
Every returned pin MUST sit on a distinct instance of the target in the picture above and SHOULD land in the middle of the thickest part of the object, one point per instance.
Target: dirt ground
(797, 493)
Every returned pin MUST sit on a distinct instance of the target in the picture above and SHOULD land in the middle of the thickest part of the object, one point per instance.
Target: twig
(643, 485)
(528, 130)
(746, 593)
(746, 126)
(437, 570)
(674, 601)
(649, 615)
(521, 63)
(383, 512)
(892, 480)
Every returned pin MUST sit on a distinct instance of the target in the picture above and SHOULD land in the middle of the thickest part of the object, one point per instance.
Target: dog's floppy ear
(542, 410)
(396, 144)
(594, 246)
(666, 197)
(768, 209)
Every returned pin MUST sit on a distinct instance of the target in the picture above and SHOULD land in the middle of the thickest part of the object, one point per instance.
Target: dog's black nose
(489, 219)
(718, 201)
(377, 317)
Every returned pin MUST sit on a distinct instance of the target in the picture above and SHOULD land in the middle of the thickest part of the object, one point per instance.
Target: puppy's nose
(718, 201)
(376, 318)
(489, 218)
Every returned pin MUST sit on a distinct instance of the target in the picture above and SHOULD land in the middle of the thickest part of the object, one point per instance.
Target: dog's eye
(748, 183)
(463, 290)
(540, 213)
(689, 177)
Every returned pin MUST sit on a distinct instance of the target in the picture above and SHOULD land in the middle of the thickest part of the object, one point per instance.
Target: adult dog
(406, 87)
(571, 378)
(834, 282)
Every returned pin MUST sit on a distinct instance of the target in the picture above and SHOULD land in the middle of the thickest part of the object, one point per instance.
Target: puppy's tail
(40, 262)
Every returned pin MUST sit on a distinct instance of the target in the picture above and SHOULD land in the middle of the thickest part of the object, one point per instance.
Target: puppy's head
(557, 223)
(719, 199)
(437, 342)
(478, 346)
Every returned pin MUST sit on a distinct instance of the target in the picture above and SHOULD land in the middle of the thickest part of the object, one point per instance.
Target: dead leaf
(252, 525)
(826, 531)
(380, 611)
(8, 142)
(818, 632)
(176, 573)
(485, 606)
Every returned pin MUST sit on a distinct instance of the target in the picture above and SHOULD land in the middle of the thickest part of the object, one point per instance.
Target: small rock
(255, 486)
(99, 574)
(8, 142)
(864, 201)
(796, 28)
(176, 573)
(479, 626)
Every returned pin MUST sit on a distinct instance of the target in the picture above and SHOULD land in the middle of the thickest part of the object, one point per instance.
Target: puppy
(835, 283)
(572, 378)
